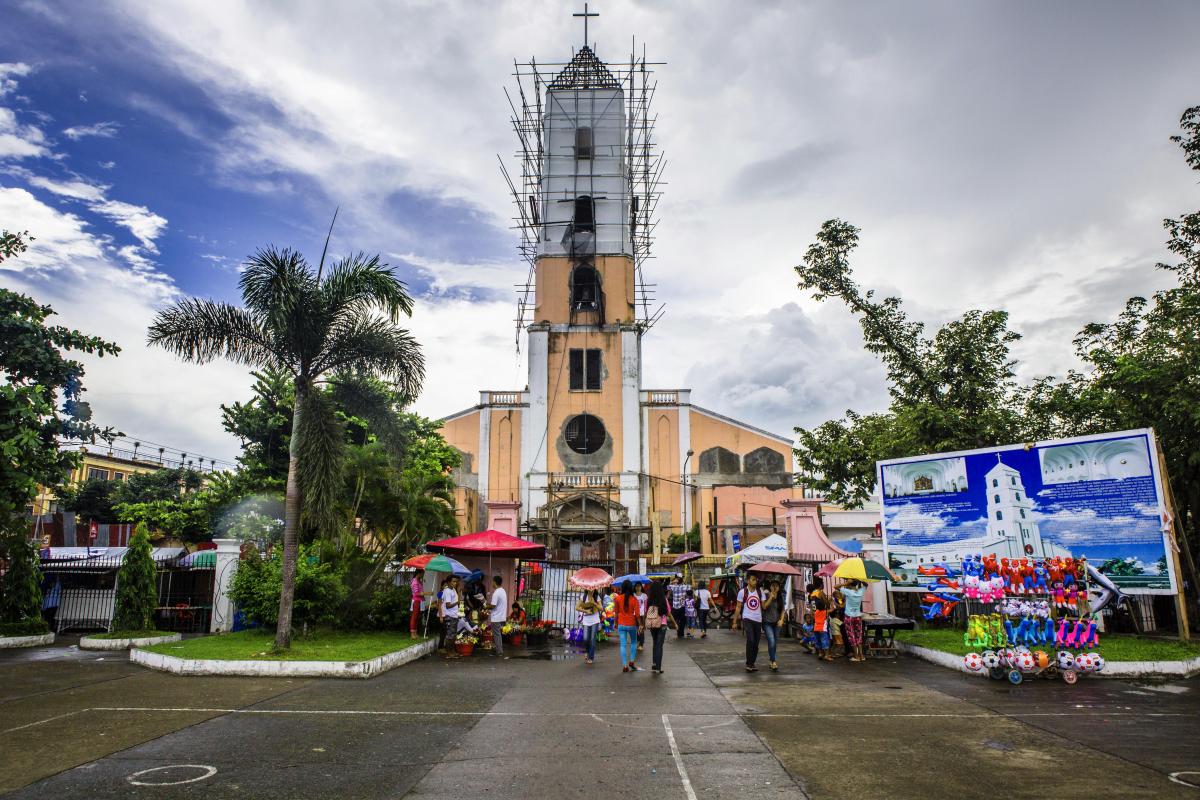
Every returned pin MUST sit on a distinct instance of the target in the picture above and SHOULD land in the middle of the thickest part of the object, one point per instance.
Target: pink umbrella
(687, 558)
(775, 568)
(590, 578)
(828, 570)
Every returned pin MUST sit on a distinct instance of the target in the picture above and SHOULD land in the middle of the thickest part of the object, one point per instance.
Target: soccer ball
(1083, 662)
(1097, 662)
(1022, 649)
(991, 659)
(1041, 659)
(1009, 657)
(973, 662)
(1065, 660)
(1025, 661)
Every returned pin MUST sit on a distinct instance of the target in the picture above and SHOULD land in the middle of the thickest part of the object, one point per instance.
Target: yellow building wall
(552, 296)
(663, 434)
(504, 448)
(463, 433)
(563, 403)
(712, 432)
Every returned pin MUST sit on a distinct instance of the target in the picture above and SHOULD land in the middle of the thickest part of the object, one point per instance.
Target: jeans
(703, 614)
(449, 631)
(753, 631)
(771, 632)
(680, 615)
(589, 638)
(658, 635)
(628, 634)
(498, 638)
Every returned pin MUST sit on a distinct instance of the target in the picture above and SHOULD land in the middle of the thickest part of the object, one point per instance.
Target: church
(585, 458)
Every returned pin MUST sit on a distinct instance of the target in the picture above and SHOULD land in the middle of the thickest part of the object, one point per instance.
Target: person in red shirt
(629, 622)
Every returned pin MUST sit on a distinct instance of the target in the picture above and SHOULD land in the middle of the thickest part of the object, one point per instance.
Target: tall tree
(312, 325)
(952, 391)
(137, 586)
(35, 370)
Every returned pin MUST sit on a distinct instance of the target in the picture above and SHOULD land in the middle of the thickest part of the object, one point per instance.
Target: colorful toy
(976, 635)
(991, 659)
(1097, 662)
(1065, 660)
(973, 662)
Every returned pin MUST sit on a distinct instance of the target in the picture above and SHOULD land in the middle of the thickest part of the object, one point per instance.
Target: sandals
(751, 669)
(774, 667)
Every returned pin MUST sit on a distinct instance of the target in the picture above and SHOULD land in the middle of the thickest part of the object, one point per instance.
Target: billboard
(1099, 497)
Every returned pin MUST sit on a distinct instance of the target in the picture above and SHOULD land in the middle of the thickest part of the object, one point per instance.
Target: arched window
(995, 482)
(584, 434)
(1018, 495)
(585, 288)
(1022, 513)
(583, 142)
(999, 515)
(997, 498)
(585, 213)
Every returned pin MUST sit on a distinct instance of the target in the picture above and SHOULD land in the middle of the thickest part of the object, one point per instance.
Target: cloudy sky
(1010, 155)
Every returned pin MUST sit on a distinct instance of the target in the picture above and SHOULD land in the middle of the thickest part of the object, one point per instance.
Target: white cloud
(8, 74)
(104, 130)
(143, 223)
(18, 140)
(145, 392)
(75, 189)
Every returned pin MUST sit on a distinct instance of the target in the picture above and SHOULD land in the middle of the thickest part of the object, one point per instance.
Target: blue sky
(995, 155)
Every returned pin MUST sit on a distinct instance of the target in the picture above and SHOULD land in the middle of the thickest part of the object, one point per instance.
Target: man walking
(448, 613)
(679, 592)
(704, 601)
(499, 613)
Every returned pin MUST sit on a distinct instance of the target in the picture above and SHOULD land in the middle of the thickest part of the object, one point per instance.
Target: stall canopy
(492, 543)
(772, 548)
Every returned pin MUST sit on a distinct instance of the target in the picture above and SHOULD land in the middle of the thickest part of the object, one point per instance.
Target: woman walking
(772, 611)
(590, 608)
(629, 621)
(749, 613)
(658, 618)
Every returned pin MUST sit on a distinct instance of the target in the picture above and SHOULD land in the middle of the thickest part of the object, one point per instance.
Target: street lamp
(687, 496)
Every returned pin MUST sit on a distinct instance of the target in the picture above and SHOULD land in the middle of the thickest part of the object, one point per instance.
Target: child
(808, 637)
(821, 626)
(689, 605)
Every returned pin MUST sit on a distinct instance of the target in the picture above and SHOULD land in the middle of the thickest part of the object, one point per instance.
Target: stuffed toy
(990, 568)
(971, 587)
(1069, 576)
(1040, 574)
(1091, 637)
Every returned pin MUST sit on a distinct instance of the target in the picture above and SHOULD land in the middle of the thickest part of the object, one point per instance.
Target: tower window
(999, 515)
(1022, 513)
(995, 482)
(583, 142)
(585, 434)
(585, 213)
(585, 288)
(997, 498)
(585, 370)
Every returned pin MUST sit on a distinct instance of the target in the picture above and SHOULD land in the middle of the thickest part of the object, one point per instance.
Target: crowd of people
(831, 623)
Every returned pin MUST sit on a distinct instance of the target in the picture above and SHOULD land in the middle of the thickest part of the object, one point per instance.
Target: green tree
(137, 586)
(35, 370)
(257, 586)
(313, 326)
(685, 543)
(20, 583)
(425, 508)
(952, 391)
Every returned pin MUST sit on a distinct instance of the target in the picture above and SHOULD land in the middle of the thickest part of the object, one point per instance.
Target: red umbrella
(419, 562)
(590, 578)
(687, 558)
(828, 570)
(776, 568)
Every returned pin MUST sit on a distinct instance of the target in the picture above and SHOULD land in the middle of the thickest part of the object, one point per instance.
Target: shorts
(852, 629)
(822, 638)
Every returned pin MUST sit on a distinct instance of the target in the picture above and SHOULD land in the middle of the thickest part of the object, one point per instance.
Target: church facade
(585, 457)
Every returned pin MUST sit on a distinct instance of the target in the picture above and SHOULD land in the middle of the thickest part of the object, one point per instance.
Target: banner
(1098, 497)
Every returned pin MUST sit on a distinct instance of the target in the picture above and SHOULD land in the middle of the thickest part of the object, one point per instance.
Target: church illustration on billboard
(1012, 527)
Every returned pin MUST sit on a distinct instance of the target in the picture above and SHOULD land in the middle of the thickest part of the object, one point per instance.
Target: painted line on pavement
(44, 721)
(683, 776)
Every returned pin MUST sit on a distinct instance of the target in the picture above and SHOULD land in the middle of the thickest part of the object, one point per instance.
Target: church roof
(585, 71)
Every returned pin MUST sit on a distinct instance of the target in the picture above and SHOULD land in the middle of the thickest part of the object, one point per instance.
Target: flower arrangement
(467, 637)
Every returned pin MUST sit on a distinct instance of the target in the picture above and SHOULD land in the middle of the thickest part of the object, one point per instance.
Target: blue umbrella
(633, 578)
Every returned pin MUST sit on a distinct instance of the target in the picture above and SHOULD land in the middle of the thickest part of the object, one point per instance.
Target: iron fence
(553, 598)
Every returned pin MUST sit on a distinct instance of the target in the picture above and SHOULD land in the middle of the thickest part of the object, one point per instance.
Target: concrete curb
(26, 641)
(1112, 669)
(283, 669)
(94, 643)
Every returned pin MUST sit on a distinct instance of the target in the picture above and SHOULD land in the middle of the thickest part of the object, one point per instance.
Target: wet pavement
(545, 724)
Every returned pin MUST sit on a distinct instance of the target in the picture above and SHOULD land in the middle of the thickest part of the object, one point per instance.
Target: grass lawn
(1113, 646)
(321, 646)
(128, 634)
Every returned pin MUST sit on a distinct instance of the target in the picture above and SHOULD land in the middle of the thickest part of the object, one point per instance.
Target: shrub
(320, 590)
(137, 585)
(390, 607)
(20, 585)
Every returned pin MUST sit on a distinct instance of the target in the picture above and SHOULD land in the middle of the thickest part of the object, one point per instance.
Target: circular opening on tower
(585, 434)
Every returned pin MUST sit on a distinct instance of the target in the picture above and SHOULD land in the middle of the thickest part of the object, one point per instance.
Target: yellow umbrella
(862, 569)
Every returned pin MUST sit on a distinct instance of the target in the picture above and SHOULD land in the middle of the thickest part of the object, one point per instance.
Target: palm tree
(294, 319)
(425, 503)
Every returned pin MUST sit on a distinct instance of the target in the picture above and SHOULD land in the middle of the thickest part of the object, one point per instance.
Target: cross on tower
(585, 16)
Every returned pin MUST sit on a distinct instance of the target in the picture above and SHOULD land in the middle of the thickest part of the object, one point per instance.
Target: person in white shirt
(448, 612)
(703, 603)
(749, 611)
(499, 613)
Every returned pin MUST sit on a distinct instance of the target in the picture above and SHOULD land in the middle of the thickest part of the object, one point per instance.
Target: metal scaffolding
(642, 163)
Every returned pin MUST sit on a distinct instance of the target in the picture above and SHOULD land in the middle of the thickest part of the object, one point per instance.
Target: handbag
(653, 618)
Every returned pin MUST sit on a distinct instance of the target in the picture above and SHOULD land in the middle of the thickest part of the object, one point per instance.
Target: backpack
(653, 618)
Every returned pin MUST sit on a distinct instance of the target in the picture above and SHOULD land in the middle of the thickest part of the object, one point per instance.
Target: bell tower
(585, 206)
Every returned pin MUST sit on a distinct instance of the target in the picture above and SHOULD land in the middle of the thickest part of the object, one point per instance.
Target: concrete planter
(26, 641)
(1112, 669)
(95, 643)
(283, 669)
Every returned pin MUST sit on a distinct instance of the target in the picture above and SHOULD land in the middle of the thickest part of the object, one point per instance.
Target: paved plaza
(545, 725)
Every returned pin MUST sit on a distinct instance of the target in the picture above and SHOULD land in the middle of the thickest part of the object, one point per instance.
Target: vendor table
(881, 633)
